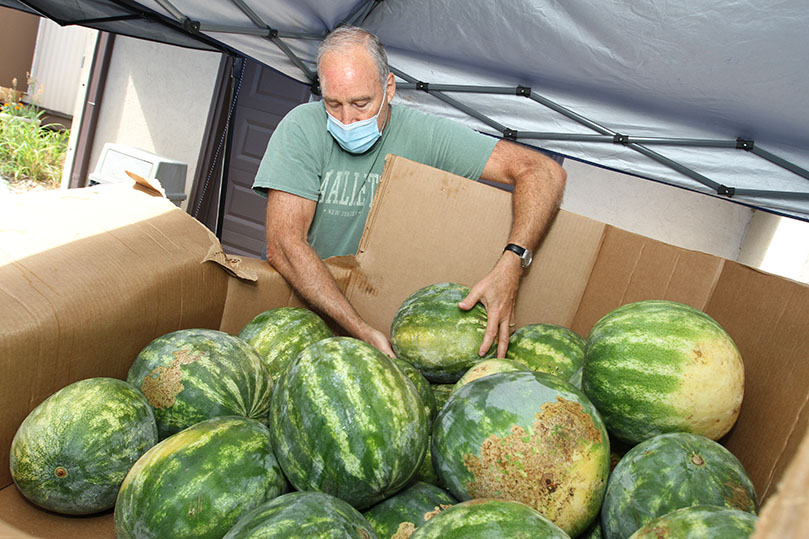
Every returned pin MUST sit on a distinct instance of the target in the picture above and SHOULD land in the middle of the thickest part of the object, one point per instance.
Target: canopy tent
(711, 98)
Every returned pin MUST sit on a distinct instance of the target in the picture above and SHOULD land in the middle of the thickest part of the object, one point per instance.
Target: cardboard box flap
(268, 290)
(631, 268)
(768, 318)
(88, 277)
(428, 226)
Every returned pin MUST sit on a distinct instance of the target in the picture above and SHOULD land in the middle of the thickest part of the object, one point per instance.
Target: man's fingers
(471, 299)
(488, 337)
(502, 340)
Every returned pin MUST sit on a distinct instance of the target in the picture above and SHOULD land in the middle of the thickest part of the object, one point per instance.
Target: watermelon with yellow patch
(525, 436)
(659, 366)
(195, 374)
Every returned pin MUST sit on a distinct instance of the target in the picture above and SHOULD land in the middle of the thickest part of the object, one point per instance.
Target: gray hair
(347, 35)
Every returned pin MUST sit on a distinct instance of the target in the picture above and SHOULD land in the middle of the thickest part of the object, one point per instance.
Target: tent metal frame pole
(607, 135)
(450, 101)
(359, 16)
(173, 11)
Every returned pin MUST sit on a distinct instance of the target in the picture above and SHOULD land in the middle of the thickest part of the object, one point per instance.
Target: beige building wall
(670, 214)
(18, 37)
(157, 99)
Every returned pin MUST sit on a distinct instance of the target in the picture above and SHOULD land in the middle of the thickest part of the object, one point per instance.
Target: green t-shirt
(302, 158)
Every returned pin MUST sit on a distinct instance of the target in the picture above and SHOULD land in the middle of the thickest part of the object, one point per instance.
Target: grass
(31, 154)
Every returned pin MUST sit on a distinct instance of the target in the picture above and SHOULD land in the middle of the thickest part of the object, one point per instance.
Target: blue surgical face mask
(356, 137)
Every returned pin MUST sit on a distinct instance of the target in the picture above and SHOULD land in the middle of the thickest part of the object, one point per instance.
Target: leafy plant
(30, 151)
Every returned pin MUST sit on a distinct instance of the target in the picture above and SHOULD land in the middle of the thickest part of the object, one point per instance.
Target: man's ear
(390, 87)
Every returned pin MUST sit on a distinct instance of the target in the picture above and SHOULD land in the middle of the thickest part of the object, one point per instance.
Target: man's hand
(379, 340)
(497, 292)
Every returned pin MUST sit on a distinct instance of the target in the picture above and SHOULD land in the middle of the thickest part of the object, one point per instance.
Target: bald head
(352, 40)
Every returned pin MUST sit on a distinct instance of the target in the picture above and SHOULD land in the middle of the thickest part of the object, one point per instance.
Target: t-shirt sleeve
(459, 149)
(291, 161)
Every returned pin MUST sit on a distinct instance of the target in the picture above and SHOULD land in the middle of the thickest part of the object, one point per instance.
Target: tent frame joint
(423, 86)
(744, 144)
(510, 134)
(726, 191)
(523, 91)
(191, 26)
(619, 138)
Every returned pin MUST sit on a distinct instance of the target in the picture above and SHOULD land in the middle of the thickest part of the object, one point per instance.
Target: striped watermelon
(547, 348)
(346, 421)
(408, 509)
(278, 335)
(699, 521)
(524, 436)
(668, 472)
(71, 453)
(441, 392)
(487, 367)
(422, 386)
(196, 374)
(430, 331)
(303, 514)
(197, 483)
(660, 366)
(489, 518)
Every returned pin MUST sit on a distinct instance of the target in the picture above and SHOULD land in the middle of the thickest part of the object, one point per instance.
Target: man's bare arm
(288, 220)
(538, 187)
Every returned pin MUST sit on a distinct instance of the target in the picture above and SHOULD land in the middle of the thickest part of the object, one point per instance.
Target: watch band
(525, 254)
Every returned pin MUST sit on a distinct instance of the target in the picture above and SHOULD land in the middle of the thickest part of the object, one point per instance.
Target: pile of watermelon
(287, 430)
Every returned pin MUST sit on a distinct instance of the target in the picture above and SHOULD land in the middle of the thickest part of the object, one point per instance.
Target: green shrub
(30, 151)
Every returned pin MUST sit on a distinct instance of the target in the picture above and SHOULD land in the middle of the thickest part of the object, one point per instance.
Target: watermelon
(422, 386)
(198, 482)
(279, 334)
(426, 472)
(489, 518)
(408, 509)
(347, 421)
(659, 366)
(547, 348)
(441, 392)
(303, 514)
(487, 367)
(430, 331)
(524, 436)
(575, 378)
(699, 521)
(195, 374)
(71, 453)
(668, 472)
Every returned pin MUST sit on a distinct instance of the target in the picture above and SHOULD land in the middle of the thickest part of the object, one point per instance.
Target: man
(324, 161)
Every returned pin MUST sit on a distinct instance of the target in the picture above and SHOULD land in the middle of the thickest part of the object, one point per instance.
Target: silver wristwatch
(526, 256)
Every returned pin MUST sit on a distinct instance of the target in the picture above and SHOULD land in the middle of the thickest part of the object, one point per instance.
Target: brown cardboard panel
(86, 306)
(429, 226)
(786, 513)
(19, 518)
(249, 298)
(768, 318)
(632, 268)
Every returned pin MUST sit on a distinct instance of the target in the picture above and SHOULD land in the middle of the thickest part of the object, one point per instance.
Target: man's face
(350, 84)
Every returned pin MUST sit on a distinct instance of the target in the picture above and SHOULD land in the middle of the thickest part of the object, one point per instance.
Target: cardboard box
(88, 277)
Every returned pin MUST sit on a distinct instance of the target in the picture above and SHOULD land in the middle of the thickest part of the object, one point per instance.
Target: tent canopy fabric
(711, 98)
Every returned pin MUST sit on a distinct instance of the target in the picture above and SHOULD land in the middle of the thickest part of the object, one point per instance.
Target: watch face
(526, 257)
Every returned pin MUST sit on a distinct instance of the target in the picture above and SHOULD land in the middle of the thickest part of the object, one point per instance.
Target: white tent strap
(608, 136)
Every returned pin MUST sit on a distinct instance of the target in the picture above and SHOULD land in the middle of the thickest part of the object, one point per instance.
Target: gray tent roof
(709, 97)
